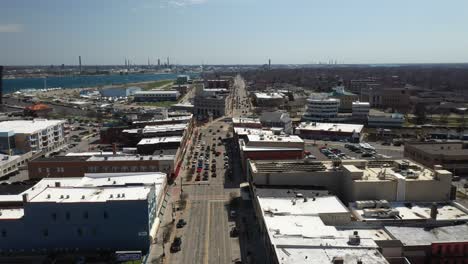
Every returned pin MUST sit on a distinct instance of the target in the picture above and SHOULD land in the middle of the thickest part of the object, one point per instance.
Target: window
(39, 170)
(4, 233)
(105, 215)
(85, 215)
(45, 232)
(80, 232)
(54, 216)
(67, 215)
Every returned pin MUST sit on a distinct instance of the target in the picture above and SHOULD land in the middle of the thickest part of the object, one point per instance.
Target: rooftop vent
(82, 197)
(61, 196)
(48, 196)
(337, 260)
(111, 196)
(67, 197)
(118, 195)
(354, 239)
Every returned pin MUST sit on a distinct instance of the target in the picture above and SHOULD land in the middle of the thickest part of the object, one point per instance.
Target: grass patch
(158, 84)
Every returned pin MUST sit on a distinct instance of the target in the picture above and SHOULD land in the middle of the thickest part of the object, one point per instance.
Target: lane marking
(207, 236)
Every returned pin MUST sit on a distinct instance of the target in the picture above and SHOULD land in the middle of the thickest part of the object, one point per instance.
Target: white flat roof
(91, 194)
(269, 95)
(322, 204)
(156, 140)
(274, 138)
(419, 211)
(299, 235)
(175, 118)
(164, 128)
(333, 127)
(93, 153)
(251, 131)
(28, 126)
(95, 187)
(131, 157)
(416, 236)
(245, 120)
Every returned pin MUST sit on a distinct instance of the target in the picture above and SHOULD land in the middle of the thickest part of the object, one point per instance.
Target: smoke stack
(79, 60)
(269, 64)
(114, 149)
(168, 61)
(1, 86)
(159, 62)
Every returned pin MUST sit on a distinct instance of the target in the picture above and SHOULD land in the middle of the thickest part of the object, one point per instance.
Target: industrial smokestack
(269, 64)
(79, 60)
(1, 86)
(159, 62)
(168, 61)
(434, 211)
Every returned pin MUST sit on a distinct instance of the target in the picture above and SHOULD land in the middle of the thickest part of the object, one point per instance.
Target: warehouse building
(150, 146)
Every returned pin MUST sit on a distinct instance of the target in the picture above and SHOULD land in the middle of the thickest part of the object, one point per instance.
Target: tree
(420, 113)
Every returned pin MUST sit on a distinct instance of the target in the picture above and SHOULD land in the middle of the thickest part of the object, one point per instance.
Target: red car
(199, 170)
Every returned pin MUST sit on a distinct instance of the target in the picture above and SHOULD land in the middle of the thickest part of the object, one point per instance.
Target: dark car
(175, 246)
(181, 223)
(234, 232)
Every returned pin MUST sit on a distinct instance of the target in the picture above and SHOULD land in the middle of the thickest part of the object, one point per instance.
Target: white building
(270, 99)
(386, 120)
(303, 228)
(33, 135)
(329, 131)
(360, 110)
(321, 108)
(277, 119)
(156, 96)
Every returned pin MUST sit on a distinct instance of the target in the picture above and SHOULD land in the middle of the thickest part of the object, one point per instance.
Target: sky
(48, 32)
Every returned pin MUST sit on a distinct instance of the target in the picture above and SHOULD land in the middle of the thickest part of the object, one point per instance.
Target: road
(206, 236)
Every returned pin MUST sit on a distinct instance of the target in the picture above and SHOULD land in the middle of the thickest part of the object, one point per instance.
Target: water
(13, 85)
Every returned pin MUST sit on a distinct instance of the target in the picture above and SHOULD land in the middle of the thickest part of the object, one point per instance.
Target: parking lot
(326, 150)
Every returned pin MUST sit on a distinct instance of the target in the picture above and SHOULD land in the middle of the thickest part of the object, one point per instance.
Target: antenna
(79, 62)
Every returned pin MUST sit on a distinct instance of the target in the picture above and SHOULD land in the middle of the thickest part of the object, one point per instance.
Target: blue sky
(233, 31)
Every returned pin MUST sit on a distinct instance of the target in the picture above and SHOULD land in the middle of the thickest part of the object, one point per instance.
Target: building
(329, 131)
(303, 226)
(277, 119)
(218, 84)
(98, 213)
(135, 135)
(395, 98)
(163, 121)
(452, 156)
(443, 244)
(360, 111)
(206, 106)
(21, 136)
(270, 147)
(114, 92)
(156, 96)
(38, 110)
(246, 122)
(321, 108)
(150, 146)
(243, 132)
(272, 99)
(11, 164)
(187, 107)
(346, 98)
(78, 166)
(355, 180)
(385, 120)
(183, 79)
(355, 86)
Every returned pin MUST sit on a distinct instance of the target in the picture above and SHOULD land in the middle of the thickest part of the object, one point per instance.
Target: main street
(208, 213)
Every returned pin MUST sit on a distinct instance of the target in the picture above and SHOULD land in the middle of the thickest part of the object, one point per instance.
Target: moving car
(175, 246)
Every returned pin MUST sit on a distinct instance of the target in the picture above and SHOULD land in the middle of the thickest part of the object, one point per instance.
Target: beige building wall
(430, 190)
(374, 190)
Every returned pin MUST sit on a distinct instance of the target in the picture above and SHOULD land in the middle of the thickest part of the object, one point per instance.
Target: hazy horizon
(226, 32)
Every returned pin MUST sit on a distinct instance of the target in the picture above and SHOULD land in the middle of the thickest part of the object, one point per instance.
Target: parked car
(175, 246)
(181, 223)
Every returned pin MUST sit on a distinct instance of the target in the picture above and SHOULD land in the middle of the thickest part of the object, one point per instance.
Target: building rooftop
(332, 127)
(131, 157)
(172, 92)
(28, 126)
(417, 236)
(242, 131)
(247, 120)
(93, 186)
(299, 235)
(413, 211)
(157, 140)
(91, 194)
(286, 166)
(174, 118)
(158, 128)
(274, 138)
(269, 95)
(92, 153)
